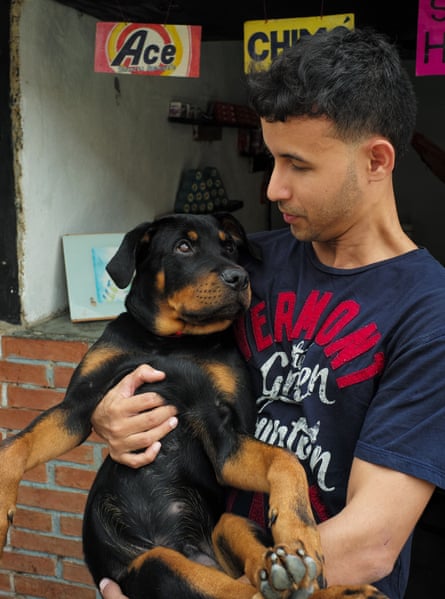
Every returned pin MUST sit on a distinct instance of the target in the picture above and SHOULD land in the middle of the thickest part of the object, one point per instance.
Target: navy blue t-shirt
(347, 363)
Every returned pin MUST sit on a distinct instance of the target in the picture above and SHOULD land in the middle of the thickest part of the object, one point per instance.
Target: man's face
(315, 179)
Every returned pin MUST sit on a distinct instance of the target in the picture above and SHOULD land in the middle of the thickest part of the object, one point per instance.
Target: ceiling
(223, 19)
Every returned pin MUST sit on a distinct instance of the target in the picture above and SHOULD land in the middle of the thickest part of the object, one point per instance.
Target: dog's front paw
(287, 574)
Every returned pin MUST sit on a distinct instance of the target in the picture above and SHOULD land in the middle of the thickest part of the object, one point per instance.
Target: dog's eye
(183, 247)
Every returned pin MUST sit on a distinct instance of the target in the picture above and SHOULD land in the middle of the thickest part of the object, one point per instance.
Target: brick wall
(43, 556)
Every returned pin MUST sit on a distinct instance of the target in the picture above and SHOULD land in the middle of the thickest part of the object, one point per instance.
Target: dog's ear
(231, 225)
(122, 265)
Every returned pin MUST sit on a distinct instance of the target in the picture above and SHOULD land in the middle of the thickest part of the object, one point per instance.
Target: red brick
(74, 477)
(33, 374)
(71, 526)
(33, 564)
(38, 399)
(38, 474)
(44, 349)
(52, 500)
(5, 584)
(33, 520)
(62, 376)
(30, 541)
(94, 437)
(83, 454)
(77, 573)
(16, 419)
(45, 589)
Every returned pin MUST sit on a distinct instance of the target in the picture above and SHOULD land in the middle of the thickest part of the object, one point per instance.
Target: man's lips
(290, 218)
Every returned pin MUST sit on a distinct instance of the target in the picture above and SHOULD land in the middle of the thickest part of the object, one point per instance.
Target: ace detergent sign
(148, 49)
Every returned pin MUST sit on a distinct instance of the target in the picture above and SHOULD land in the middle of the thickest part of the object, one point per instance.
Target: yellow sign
(263, 40)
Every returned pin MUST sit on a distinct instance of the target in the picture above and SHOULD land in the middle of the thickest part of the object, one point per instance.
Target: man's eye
(183, 247)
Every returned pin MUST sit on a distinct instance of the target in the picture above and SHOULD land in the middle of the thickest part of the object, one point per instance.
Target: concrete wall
(98, 153)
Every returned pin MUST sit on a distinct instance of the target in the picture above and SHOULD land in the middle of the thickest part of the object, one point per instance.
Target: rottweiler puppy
(161, 530)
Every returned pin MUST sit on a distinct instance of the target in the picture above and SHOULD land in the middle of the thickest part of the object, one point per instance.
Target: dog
(161, 531)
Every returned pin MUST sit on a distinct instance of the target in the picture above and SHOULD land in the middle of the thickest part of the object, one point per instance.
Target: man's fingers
(146, 444)
(137, 460)
(110, 590)
(142, 374)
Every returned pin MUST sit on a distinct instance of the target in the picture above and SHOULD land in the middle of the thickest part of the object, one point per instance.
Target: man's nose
(277, 188)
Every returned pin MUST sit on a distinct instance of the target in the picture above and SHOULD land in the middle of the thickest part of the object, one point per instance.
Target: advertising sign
(430, 53)
(263, 40)
(148, 49)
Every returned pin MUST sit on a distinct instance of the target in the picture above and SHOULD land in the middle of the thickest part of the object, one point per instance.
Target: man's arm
(363, 541)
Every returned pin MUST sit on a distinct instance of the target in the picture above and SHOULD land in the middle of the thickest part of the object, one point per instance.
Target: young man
(345, 336)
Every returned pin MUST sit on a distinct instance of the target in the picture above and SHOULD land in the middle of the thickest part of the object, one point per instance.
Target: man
(345, 336)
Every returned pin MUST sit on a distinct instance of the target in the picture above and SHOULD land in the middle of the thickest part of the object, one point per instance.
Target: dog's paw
(287, 574)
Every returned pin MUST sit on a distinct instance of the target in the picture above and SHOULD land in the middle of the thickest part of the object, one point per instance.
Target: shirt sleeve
(404, 428)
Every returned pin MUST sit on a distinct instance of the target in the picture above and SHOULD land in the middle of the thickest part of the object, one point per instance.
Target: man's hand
(110, 590)
(129, 422)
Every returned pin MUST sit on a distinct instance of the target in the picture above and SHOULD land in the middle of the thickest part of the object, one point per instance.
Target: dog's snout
(235, 278)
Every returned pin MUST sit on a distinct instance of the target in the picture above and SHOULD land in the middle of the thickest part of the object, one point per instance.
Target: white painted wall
(98, 160)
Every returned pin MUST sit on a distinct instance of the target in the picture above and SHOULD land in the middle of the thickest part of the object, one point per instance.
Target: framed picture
(92, 295)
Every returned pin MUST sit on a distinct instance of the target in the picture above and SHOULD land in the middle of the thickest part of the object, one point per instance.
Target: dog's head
(187, 278)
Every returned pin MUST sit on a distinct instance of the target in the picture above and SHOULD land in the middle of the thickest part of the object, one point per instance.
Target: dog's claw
(11, 514)
(273, 516)
(285, 573)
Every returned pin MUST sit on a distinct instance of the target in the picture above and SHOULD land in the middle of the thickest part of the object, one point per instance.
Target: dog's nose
(235, 278)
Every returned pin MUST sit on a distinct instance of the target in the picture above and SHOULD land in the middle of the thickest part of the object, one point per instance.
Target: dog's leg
(46, 438)
(256, 466)
(163, 573)
(57, 430)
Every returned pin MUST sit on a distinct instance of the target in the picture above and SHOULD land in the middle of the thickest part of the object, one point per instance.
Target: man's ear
(122, 265)
(381, 158)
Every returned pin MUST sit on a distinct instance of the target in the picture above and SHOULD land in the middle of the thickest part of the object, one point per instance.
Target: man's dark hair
(354, 78)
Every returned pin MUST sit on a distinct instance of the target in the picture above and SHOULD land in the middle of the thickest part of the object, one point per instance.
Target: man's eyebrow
(292, 156)
(287, 155)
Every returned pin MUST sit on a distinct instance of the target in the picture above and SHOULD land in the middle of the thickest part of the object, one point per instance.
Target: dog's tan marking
(222, 235)
(24, 453)
(176, 313)
(205, 579)
(193, 235)
(223, 377)
(169, 322)
(95, 359)
(160, 281)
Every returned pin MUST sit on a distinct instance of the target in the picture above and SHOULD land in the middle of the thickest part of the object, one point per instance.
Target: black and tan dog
(161, 530)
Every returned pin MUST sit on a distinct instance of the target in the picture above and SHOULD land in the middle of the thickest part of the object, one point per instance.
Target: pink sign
(148, 49)
(430, 55)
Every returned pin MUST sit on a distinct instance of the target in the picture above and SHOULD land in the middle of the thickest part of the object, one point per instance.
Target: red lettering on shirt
(258, 319)
(350, 346)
